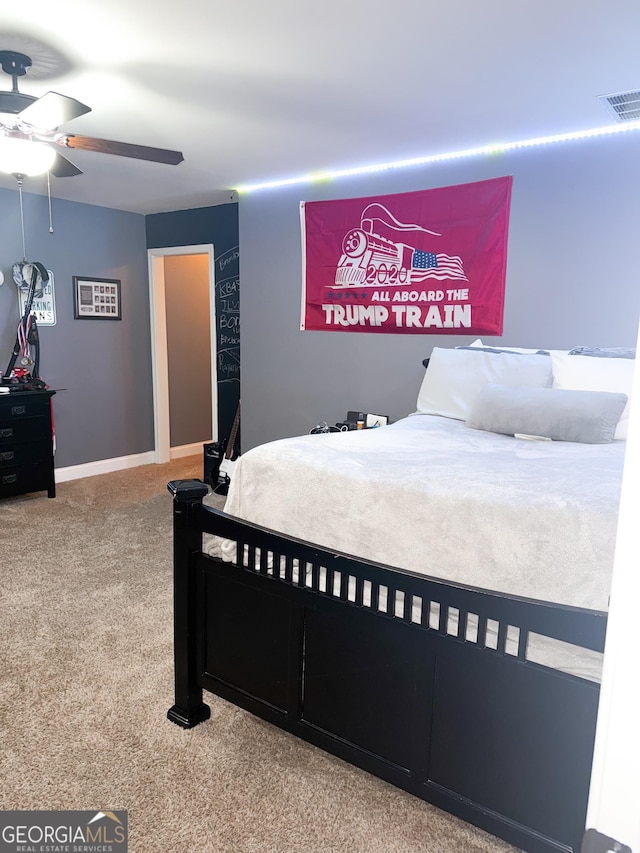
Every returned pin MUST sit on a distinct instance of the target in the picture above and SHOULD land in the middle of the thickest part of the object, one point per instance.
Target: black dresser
(26, 443)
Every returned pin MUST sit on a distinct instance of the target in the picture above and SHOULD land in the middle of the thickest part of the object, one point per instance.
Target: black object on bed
(379, 667)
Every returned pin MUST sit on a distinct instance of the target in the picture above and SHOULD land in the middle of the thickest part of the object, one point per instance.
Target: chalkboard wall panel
(217, 225)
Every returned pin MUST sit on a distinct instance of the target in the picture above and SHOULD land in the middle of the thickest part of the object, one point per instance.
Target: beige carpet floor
(86, 679)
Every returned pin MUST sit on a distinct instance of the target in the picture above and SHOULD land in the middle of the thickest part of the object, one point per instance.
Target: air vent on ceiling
(624, 106)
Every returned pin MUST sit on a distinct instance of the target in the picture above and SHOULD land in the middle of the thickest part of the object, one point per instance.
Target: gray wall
(572, 279)
(104, 367)
(186, 279)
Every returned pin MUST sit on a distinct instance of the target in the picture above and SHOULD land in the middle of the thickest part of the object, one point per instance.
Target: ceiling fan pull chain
(24, 248)
(49, 195)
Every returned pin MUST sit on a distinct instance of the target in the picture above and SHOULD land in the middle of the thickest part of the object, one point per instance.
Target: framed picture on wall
(96, 298)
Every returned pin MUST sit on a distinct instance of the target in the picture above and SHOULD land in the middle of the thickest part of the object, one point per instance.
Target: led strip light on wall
(496, 148)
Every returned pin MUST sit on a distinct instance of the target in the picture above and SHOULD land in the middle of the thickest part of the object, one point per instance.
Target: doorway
(160, 353)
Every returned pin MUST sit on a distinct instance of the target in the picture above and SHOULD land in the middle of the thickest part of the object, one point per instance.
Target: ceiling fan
(37, 120)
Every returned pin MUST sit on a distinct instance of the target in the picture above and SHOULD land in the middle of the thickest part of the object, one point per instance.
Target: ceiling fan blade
(52, 110)
(63, 168)
(122, 149)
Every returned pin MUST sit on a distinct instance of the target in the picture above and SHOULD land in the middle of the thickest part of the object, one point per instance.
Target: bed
(425, 600)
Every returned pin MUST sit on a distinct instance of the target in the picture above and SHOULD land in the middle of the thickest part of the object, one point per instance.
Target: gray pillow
(506, 349)
(605, 352)
(588, 417)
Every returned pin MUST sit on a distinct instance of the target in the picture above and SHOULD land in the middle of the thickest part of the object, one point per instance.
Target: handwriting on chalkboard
(228, 364)
(228, 287)
(228, 312)
(227, 340)
(228, 316)
(228, 258)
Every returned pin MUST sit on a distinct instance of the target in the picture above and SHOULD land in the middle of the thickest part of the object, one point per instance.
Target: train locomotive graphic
(369, 259)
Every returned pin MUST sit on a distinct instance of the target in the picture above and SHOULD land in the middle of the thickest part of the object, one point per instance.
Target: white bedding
(529, 518)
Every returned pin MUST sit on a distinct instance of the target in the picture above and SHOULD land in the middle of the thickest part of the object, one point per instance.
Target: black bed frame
(480, 732)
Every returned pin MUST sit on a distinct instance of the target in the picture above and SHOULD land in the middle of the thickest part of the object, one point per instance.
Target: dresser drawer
(21, 479)
(15, 406)
(24, 429)
(23, 452)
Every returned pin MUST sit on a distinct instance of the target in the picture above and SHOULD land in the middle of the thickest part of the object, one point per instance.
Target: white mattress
(530, 518)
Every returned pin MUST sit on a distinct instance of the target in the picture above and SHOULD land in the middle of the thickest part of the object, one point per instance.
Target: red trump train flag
(427, 262)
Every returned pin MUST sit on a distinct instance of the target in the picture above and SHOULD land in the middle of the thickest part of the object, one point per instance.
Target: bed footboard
(425, 684)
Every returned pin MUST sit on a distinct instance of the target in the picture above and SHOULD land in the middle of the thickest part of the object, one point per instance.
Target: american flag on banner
(425, 262)
(437, 266)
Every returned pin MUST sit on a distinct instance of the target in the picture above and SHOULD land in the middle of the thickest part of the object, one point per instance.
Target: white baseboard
(107, 466)
(187, 450)
(104, 466)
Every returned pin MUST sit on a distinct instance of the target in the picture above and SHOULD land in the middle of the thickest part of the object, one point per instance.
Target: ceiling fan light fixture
(24, 156)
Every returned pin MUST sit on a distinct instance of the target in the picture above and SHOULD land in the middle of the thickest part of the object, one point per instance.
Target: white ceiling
(253, 90)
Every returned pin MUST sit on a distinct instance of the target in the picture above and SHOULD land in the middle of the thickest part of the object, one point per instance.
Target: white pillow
(585, 373)
(455, 377)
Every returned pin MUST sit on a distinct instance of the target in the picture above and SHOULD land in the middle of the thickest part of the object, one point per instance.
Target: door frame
(159, 349)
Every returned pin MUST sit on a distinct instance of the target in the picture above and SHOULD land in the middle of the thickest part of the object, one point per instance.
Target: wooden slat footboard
(423, 683)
